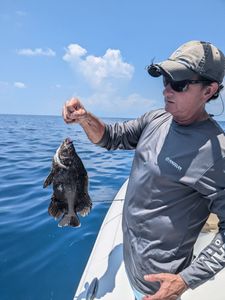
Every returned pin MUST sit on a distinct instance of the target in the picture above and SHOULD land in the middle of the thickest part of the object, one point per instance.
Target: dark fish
(70, 186)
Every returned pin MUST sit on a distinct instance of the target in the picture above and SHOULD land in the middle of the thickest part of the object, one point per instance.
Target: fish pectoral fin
(69, 220)
(48, 180)
(85, 211)
(85, 207)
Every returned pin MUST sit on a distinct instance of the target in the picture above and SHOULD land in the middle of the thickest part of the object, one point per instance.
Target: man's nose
(168, 90)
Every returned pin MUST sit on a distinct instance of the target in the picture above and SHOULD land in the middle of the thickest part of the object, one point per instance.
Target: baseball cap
(190, 58)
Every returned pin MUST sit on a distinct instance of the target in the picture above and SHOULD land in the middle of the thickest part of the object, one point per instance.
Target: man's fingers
(171, 286)
(66, 115)
(73, 111)
(155, 277)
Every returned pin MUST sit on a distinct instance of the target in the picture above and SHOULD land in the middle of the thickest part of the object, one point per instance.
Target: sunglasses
(180, 86)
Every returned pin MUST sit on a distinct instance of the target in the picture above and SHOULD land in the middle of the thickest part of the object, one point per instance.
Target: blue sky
(96, 50)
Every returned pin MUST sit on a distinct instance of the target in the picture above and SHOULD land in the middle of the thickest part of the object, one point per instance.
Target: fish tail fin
(69, 220)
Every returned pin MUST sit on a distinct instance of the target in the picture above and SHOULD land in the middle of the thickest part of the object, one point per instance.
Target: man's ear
(211, 89)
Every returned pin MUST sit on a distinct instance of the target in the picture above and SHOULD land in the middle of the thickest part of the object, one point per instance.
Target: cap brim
(175, 70)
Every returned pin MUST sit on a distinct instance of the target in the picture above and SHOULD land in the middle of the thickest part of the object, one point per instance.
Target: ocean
(39, 260)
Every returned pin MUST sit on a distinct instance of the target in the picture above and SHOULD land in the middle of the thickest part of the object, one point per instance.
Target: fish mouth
(64, 153)
(68, 141)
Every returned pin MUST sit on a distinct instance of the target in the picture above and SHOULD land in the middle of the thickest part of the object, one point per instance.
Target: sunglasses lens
(178, 86)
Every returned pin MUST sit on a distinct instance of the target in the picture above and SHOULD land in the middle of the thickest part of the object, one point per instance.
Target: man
(177, 177)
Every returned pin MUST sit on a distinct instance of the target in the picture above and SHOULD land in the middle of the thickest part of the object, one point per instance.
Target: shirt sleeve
(211, 259)
(125, 135)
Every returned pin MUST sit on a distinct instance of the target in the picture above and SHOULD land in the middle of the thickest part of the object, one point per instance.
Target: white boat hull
(106, 263)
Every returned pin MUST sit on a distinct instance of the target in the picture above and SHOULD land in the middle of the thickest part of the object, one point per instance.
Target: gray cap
(192, 57)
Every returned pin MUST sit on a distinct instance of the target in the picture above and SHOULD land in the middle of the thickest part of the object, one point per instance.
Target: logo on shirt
(173, 163)
(214, 257)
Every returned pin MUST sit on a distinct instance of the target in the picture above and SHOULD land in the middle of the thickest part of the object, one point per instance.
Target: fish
(69, 179)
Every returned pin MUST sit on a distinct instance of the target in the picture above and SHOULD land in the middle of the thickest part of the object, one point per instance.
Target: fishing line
(107, 201)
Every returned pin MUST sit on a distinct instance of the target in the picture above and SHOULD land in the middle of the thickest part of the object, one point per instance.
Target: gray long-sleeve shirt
(177, 179)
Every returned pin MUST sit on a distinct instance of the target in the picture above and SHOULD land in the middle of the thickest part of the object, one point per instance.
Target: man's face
(187, 106)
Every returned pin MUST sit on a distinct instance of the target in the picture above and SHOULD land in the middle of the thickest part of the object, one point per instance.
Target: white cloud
(104, 79)
(98, 70)
(19, 85)
(10, 85)
(74, 52)
(36, 52)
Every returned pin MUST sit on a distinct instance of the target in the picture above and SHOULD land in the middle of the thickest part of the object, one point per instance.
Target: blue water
(39, 260)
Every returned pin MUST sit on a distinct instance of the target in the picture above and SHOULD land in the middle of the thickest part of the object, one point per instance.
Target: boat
(104, 276)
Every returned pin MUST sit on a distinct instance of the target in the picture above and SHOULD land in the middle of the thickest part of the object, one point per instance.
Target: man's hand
(171, 286)
(74, 111)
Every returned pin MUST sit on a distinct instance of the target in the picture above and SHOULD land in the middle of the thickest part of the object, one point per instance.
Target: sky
(97, 51)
